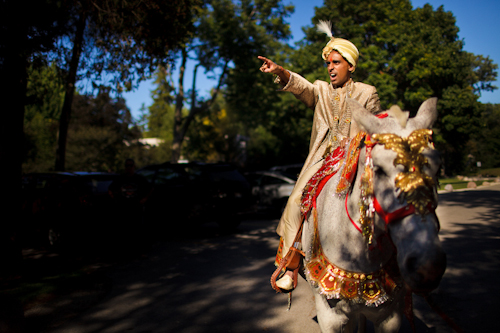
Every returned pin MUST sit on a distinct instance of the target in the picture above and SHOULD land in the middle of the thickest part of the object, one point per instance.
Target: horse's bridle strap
(395, 215)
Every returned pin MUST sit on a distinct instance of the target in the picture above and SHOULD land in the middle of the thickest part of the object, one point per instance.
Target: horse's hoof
(285, 283)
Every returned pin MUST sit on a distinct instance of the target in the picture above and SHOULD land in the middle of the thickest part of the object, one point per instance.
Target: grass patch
(457, 184)
(29, 290)
(460, 183)
(490, 172)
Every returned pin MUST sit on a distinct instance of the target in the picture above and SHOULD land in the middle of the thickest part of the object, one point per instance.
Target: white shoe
(285, 283)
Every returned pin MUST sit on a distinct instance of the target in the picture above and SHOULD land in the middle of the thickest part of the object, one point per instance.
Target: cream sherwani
(318, 97)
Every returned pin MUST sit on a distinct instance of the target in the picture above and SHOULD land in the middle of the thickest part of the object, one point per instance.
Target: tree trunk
(13, 78)
(179, 104)
(69, 93)
(185, 122)
(181, 124)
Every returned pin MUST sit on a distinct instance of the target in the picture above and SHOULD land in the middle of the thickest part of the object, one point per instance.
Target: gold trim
(417, 188)
(372, 289)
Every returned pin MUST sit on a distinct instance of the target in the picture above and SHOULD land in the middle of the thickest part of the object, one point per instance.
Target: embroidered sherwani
(332, 122)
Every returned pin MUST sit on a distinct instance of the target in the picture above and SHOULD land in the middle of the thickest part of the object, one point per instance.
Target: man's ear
(351, 68)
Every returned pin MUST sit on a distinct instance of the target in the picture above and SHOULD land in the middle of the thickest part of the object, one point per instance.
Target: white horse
(371, 237)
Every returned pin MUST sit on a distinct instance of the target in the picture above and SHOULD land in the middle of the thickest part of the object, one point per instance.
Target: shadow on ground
(181, 280)
(194, 278)
(468, 292)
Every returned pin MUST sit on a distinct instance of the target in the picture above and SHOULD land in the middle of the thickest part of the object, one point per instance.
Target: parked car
(64, 207)
(291, 170)
(270, 189)
(196, 192)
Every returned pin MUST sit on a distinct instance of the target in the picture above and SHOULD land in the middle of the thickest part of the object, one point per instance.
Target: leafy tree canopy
(484, 145)
(123, 40)
(99, 135)
(126, 41)
(409, 55)
(229, 36)
(45, 94)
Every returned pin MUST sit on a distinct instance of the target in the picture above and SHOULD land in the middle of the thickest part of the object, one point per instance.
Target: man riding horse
(332, 123)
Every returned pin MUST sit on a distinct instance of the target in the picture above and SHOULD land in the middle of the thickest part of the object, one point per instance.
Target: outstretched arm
(270, 67)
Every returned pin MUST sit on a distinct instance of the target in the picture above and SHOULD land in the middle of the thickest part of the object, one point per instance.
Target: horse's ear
(426, 115)
(366, 120)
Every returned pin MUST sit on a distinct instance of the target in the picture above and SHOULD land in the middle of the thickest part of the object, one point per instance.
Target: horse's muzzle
(423, 275)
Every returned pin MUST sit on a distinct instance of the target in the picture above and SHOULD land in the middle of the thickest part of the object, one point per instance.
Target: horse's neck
(342, 243)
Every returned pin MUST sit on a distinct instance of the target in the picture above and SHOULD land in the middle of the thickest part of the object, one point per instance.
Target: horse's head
(404, 189)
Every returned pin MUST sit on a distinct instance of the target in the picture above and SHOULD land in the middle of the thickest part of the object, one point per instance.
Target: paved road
(470, 233)
(213, 282)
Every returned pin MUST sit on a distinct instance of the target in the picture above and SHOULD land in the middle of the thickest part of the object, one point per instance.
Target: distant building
(147, 142)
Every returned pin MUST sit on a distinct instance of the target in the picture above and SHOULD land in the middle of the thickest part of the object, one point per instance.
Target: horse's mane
(400, 115)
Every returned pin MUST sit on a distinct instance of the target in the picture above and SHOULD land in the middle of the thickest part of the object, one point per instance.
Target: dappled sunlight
(470, 237)
(217, 284)
(213, 281)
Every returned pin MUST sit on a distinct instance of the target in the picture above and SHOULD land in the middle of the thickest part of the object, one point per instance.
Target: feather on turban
(346, 49)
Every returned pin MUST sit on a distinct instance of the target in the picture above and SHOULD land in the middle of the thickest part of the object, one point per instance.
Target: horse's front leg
(333, 315)
(390, 316)
(391, 324)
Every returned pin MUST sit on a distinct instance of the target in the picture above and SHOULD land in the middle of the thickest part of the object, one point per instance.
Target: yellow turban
(346, 49)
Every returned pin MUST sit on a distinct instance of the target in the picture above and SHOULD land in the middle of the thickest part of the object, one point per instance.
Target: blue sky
(477, 20)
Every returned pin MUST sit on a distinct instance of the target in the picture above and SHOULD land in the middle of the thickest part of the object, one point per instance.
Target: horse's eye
(379, 171)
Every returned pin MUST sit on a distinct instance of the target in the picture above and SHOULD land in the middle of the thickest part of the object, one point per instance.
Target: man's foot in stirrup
(286, 281)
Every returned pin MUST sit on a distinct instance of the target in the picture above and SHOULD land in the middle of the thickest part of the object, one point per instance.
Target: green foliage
(99, 133)
(409, 55)
(230, 35)
(45, 94)
(484, 145)
(215, 137)
(495, 172)
(457, 184)
(160, 121)
(120, 42)
(31, 27)
(484, 72)
(126, 41)
(27, 29)
(263, 147)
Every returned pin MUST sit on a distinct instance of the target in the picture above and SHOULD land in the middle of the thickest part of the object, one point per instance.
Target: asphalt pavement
(210, 281)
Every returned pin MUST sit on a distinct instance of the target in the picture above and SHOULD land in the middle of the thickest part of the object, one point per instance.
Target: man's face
(338, 69)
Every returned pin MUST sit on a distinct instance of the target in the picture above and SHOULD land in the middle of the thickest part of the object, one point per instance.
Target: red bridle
(388, 217)
(395, 215)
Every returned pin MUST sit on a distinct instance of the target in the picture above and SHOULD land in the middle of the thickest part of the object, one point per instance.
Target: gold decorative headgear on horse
(346, 49)
(417, 187)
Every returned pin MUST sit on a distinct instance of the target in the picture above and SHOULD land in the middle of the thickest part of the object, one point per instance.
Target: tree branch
(219, 84)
